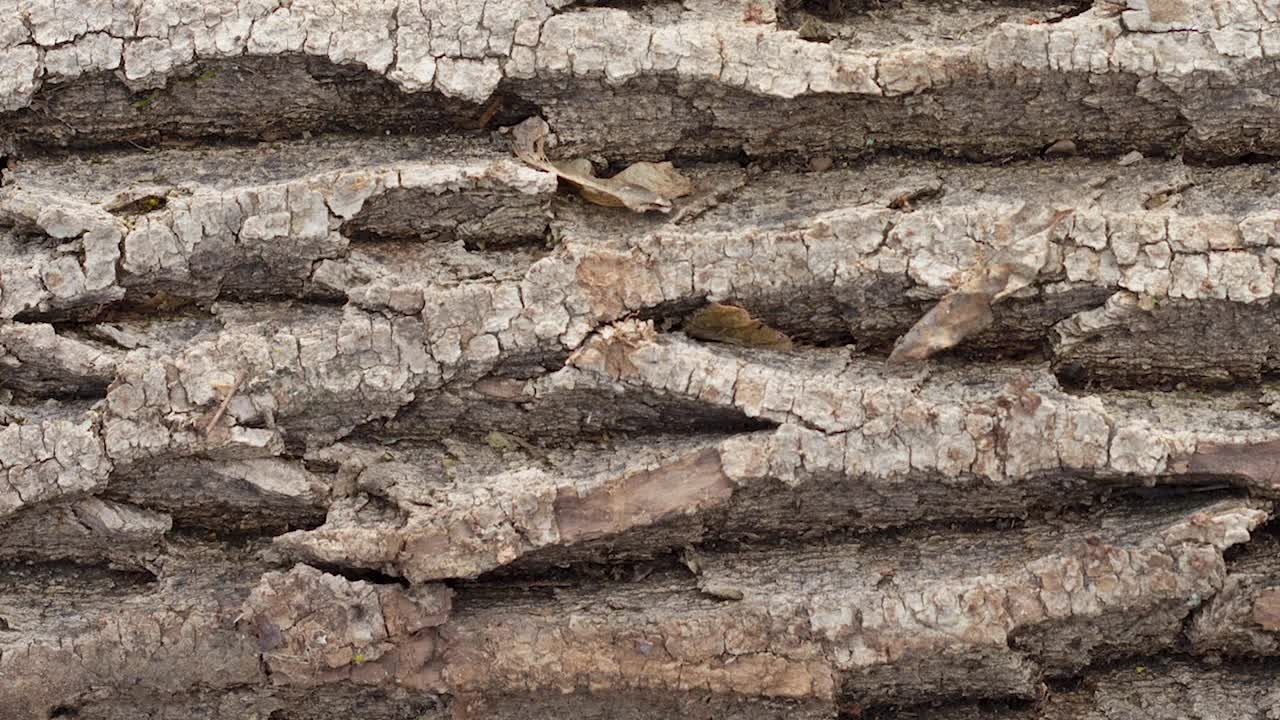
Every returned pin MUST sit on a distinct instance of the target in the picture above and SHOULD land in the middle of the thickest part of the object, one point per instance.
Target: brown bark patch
(1167, 11)
(686, 485)
(603, 278)
(1258, 462)
(1266, 609)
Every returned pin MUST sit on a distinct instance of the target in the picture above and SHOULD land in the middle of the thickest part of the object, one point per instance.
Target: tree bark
(946, 393)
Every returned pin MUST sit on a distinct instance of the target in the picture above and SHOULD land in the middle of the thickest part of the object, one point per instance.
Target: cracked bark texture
(316, 402)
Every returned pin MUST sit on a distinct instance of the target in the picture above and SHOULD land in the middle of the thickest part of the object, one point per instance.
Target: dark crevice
(1253, 158)
(317, 299)
(1247, 388)
(35, 381)
(482, 221)
(1083, 683)
(878, 536)
(1182, 642)
(1180, 488)
(220, 700)
(540, 575)
(1269, 529)
(360, 574)
(462, 411)
(1263, 548)
(297, 96)
(71, 577)
(497, 590)
(32, 391)
(1235, 552)
(664, 561)
(941, 709)
(900, 21)
(474, 244)
(1152, 662)
(235, 528)
(1077, 378)
(152, 306)
(531, 365)
(136, 307)
(1163, 349)
(1071, 8)
(108, 146)
(208, 507)
(633, 554)
(230, 536)
(650, 12)
(669, 315)
(322, 97)
(754, 519)
(845, 9)
(548, 423)
(873, 317)
(617, 4)
(728, 156)
(880, 151)
(187, 128)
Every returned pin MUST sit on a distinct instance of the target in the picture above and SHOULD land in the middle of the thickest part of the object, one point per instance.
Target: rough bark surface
(947, 393)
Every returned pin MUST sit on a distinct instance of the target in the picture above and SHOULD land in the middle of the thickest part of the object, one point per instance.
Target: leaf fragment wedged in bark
(641, 187)
(1266, 609)
(967, 309)
(662, 178)
(734, 325)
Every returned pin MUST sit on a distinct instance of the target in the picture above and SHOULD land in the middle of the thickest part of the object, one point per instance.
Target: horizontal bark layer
(642, 81)
(853, 623)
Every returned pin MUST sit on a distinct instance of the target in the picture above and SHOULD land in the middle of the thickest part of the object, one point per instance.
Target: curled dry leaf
(731, 324)
(954, 318)
(967, 309)
(641, 187)
(914, 191)
(662, 178)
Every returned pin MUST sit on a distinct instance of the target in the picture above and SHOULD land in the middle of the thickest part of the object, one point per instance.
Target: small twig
(222, 408)
(143, 148)
(45, 111)
(490, 111)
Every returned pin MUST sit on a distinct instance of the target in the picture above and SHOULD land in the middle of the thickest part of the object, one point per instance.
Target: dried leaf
(967, 309)
(730, 324)
(641, 187)
(608, 192)
(955, 317)
(577, 166)
(914, 190)
(720, 590)
(662, 178)
(497, 441)
(1162, 197)
(529, 138)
